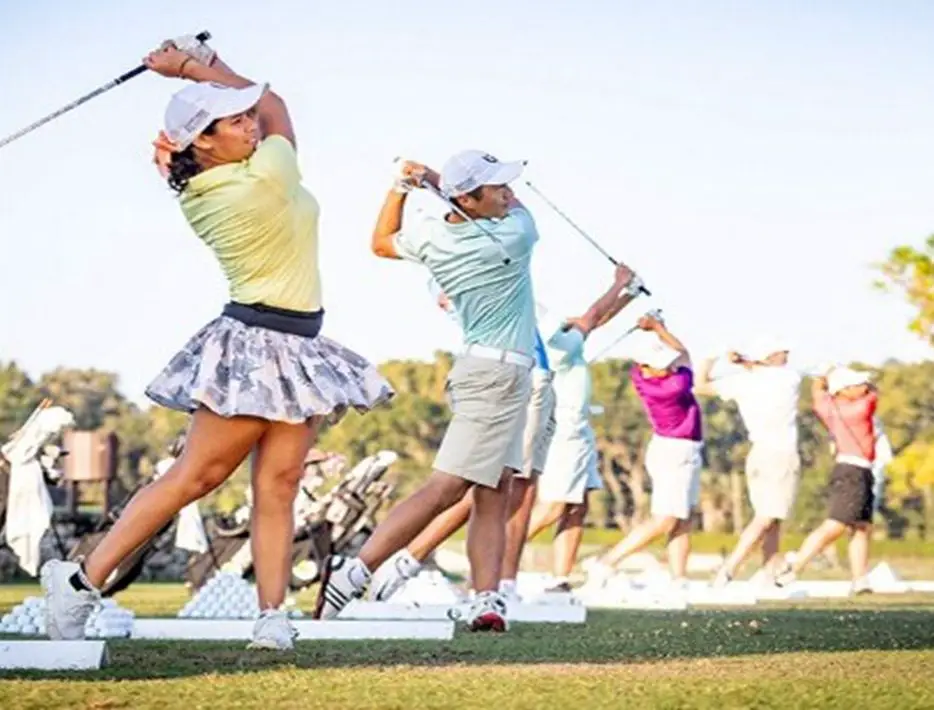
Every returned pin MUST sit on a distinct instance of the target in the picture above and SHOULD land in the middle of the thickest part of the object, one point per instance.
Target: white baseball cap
(469, 169)
(766, 346)
(195, 107)
(652, 352)
(842, 377)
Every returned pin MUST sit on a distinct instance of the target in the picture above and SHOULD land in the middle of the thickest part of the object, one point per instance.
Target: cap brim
(505, 173)
(238, 101)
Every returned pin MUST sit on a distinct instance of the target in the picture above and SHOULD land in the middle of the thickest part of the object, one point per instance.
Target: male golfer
(766, 390)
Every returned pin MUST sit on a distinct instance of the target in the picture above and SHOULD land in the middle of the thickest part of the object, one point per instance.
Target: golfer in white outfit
(766, 390)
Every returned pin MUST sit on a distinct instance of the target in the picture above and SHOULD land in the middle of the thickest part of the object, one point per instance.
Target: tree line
(414, 424)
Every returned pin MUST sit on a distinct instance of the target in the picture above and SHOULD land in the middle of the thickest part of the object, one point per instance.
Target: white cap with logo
(197, 106)
(470, 169)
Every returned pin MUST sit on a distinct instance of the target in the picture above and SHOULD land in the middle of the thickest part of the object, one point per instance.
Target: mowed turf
(870, 652)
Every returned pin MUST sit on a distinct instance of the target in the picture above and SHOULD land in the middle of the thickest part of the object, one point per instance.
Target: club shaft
(571, 222)
(578, 228)
(203, 37)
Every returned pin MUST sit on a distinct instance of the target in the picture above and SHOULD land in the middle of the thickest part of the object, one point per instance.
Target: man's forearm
(596, 315)
(388, 224)
(668, 339)
(703, 384)
(614, 311)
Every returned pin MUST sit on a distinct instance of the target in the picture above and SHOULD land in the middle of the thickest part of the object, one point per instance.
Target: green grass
(872, 651)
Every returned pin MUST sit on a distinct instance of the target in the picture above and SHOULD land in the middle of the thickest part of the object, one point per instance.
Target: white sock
(507, 586)
(407, 565)
(358, 573)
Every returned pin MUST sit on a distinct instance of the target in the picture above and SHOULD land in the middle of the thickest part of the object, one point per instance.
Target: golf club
(580, 231)
(202, 37)
(655, 313)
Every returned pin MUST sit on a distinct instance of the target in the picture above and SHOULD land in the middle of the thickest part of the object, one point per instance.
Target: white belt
(852, 460)
(510, 356)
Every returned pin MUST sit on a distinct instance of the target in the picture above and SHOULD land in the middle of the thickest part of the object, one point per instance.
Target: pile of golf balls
(108, 620)
(428, 587)
(228, 596)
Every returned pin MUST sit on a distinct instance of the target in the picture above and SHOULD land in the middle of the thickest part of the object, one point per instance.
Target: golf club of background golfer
(728, 156)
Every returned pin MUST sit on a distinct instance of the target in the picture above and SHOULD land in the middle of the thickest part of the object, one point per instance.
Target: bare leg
(215, 447)
(441, 528)
(411, 516)
(277, 469)
(521, 502)
(770, 545)
(486, 533)
(757, 530)
(859, 550)
(544, 517)
(568, 538)
(826, 533)
(679, 548)
(639, 539)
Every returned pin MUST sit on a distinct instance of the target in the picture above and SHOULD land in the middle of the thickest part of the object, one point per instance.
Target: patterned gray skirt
(240, 370)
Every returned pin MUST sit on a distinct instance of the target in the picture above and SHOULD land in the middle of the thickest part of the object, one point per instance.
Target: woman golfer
(256, 379)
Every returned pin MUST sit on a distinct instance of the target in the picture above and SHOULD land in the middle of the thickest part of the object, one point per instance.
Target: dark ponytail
(184, 166)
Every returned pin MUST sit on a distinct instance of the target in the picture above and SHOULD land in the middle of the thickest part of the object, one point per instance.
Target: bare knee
(277, 484)
(667, 525)
(574, 513)
(198, 477)
(520, 493)
(442, 491)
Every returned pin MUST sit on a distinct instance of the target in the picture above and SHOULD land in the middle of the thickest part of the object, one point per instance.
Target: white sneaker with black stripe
(338, 587)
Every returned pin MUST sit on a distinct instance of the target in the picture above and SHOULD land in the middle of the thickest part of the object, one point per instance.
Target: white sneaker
(392, 576)
(487, 613)
(598, 574)
(66, 608)
(861, 586)
(510, 596)
(273, 631)
(337, 589)
(721, 579)
(785, 577)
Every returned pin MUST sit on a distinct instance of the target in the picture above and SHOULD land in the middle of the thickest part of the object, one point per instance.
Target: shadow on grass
(608, 637)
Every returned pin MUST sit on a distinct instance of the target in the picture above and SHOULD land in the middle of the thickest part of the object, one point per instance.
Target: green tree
(909, 272)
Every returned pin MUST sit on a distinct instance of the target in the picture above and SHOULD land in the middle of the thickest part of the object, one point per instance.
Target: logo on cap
(489, 158)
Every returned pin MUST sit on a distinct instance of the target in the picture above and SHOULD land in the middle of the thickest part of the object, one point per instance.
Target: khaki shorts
(571, 470)
(772, 475)
(539, 424)
(674, 465)
(489, 401)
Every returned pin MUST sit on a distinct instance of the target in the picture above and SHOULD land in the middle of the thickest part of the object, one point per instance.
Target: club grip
(644, 291)
(203, 36)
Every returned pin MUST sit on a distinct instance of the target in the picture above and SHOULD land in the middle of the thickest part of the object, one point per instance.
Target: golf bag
(340, 520)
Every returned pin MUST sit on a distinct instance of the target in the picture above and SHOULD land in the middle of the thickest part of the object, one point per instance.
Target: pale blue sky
(750, 162)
